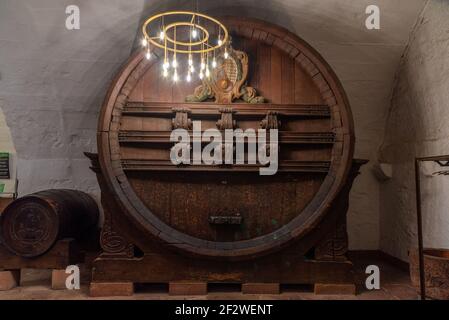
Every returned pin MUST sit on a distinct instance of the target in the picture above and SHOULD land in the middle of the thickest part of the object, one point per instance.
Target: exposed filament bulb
(175, 76)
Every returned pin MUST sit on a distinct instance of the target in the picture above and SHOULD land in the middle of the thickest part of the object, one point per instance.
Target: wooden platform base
(261, 288)
(111, 289)
(193, 288)
(9, 279)
(58, 279)
(63, 254)
(114, 276)
(187, 288)
(332, 289)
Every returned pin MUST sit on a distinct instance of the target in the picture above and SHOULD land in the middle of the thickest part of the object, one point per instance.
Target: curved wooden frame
(342, 152)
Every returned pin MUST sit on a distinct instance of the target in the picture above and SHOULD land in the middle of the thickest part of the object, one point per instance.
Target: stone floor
(395, 285)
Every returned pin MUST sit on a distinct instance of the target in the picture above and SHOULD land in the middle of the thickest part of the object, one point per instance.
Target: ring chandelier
(188, 33)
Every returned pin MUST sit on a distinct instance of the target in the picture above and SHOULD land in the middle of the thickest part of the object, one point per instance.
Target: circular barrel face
(29, 227)
(229, 211)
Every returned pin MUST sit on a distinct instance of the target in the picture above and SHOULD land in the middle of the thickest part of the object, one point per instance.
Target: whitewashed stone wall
(53, 81)
(418, 125)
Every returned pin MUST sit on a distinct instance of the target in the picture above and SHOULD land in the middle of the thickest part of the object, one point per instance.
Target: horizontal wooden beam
(213, 109)
(167, 165)
(285, 137)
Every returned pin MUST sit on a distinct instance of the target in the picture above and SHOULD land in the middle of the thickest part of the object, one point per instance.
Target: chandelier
(199, 37)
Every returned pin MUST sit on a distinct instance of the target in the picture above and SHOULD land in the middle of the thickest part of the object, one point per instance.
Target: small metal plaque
(225, 220)
(4, 166)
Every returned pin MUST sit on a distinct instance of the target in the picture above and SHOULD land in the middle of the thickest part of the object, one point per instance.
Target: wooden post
(422, 278)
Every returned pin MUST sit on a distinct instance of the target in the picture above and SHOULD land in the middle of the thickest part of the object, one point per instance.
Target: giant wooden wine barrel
(227, 212)
(31, 225)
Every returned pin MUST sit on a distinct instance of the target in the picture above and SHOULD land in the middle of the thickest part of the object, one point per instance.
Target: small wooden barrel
(31, 225)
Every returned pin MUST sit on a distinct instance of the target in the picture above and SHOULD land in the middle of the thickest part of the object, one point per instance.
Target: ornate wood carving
(111, 241)
(334, 246)
(226, 121)
(181, 120)
(228, 82)
(29, 228)
(271, 121)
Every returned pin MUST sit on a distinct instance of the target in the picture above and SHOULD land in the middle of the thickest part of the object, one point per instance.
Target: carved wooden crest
(228, 82)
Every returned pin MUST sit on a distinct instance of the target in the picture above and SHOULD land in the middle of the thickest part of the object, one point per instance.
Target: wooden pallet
(64, 253)
(195, 288)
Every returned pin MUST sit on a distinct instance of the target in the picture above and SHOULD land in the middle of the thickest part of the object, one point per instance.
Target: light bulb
(194, 33)
(161, 35)
(144, 42)
(214, 63)
(166, 65)
(220, 42)
(165, 73)
(148, 55)
(226, 55)
(201, 75)
(190, 61)
(189, 77)
(207, 73)
(192, 69)
(175, 76)
(175, 63)
(203, 65)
